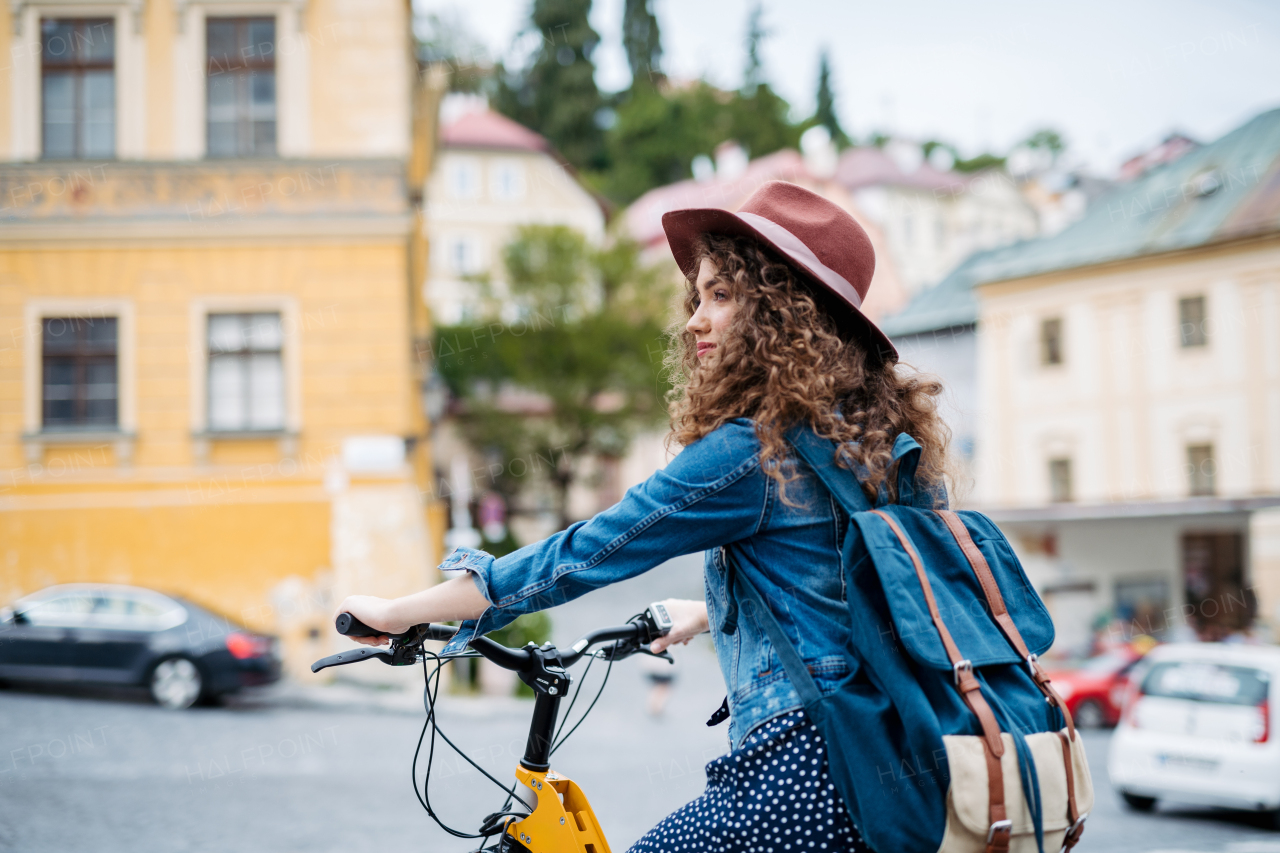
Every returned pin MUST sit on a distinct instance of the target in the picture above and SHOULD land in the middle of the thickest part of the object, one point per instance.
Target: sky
(1113, 77)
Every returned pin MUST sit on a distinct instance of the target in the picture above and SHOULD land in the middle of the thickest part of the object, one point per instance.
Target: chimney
(819, 152)
(731, 160)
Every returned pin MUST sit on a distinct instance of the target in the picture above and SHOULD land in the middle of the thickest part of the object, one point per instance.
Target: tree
(556, 95)
(587, 347)
(444, 38)
(759, 118)
(825, 114)
(642, 41)
(753, 74)
(1047, 140)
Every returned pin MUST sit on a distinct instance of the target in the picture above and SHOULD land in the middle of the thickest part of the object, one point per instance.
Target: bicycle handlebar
(641, 630)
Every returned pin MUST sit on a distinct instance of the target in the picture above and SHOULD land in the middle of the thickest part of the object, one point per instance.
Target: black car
(126, 635)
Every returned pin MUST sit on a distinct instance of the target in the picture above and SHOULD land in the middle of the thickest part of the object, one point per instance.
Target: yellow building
(209, 232)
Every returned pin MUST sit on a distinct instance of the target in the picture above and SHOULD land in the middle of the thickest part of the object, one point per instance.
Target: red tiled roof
(869, 166)
(487, 129)
(644, 216)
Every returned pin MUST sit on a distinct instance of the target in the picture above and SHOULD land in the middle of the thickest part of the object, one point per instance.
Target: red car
(1094, 690)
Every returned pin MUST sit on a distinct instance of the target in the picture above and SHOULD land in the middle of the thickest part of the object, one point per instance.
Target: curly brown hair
(784, 361)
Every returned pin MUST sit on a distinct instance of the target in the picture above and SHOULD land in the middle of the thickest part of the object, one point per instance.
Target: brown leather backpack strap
(1000, 830)
(971, 691)
(1076, 826)
(1000, 612)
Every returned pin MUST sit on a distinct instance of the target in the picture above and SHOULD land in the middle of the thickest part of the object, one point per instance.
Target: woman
(774, 340)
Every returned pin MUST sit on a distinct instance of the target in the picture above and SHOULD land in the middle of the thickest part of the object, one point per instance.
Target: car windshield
(1207, 682)
(1105, 663)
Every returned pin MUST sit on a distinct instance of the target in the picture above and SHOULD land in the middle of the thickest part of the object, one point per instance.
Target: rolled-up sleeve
(711, 494)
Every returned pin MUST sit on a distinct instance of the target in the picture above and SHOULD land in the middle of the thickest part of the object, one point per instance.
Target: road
(282, 770)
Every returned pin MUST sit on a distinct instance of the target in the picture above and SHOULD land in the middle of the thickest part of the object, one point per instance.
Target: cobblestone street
(292, 769)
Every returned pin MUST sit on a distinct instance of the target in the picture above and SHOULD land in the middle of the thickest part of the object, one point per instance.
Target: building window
(241, 89)
(464, 256)
(1192, 322)
(1060, 480)
(1201, 468)
(80, 364)
(78, 88)
(506, 181)
(1051, 341)
(464, 178)
(246, 375)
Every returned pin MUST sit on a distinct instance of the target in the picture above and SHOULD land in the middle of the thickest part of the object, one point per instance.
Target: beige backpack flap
(995, 600)
(999, 828)
(967, 803)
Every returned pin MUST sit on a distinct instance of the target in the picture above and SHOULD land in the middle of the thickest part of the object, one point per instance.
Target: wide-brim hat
(817, 237)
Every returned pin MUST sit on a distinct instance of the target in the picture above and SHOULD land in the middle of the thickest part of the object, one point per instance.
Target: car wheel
(176, 683)
(1138, 803)
(1089, 715)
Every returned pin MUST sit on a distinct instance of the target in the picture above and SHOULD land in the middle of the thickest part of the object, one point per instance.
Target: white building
(1128, 376)
(933, 218)
(492, 175)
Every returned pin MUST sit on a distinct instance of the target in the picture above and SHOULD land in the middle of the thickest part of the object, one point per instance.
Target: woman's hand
(690, 618)
(456, 598)
(376, 613)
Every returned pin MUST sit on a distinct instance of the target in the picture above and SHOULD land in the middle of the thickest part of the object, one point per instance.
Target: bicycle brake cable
(556, 745)
(424, 798)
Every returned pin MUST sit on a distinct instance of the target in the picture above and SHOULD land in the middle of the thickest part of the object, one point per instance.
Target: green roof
(1225, 190)
(948, 303)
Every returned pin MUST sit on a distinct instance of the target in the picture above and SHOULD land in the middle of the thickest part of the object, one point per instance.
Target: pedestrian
(773, 339)
(660, 674)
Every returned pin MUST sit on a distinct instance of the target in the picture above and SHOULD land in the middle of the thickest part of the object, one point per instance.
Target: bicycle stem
(537, 749)
(546, 675)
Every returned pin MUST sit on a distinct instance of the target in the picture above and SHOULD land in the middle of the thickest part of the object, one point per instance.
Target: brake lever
(664, 654)
(352, 656)
(403, 652)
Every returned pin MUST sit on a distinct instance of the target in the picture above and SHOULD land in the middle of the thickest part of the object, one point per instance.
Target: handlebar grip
(350, 626)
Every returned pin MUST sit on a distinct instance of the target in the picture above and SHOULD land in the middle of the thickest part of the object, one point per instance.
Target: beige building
(931, 216)
(1129, 397)
(210, 250)
(491, 176)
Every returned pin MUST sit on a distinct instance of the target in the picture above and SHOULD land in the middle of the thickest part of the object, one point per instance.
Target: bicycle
(560, 818)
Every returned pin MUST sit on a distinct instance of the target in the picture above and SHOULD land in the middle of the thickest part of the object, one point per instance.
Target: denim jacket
(713, 497)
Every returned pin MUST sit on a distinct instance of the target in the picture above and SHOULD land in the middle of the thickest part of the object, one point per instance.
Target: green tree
(556, 95)
(759, 118)
(1049, 140)
(586, 342)
(444, 38)
(659, 130)
(753, 74)
(825, 114)
(642, 41)
(658, 133)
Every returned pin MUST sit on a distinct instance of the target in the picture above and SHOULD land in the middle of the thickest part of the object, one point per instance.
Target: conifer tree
(825, 114)
(556, 95)
(642, 41)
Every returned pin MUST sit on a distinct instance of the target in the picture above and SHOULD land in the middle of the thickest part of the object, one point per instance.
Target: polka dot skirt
(771, 794)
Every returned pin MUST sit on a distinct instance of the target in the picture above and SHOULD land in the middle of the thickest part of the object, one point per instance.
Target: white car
(1199, 727)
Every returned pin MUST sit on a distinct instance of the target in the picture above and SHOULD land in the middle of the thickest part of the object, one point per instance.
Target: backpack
(947, 735)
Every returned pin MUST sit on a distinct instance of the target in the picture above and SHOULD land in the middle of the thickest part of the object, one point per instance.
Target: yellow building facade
(210, 230)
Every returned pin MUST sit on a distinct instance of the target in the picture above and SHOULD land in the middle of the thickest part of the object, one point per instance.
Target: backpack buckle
(1004, 826)
(1031, 664)
(959, 668)
(1074, 832)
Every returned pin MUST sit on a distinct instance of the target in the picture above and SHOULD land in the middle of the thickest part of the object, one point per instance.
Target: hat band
(795, 248)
